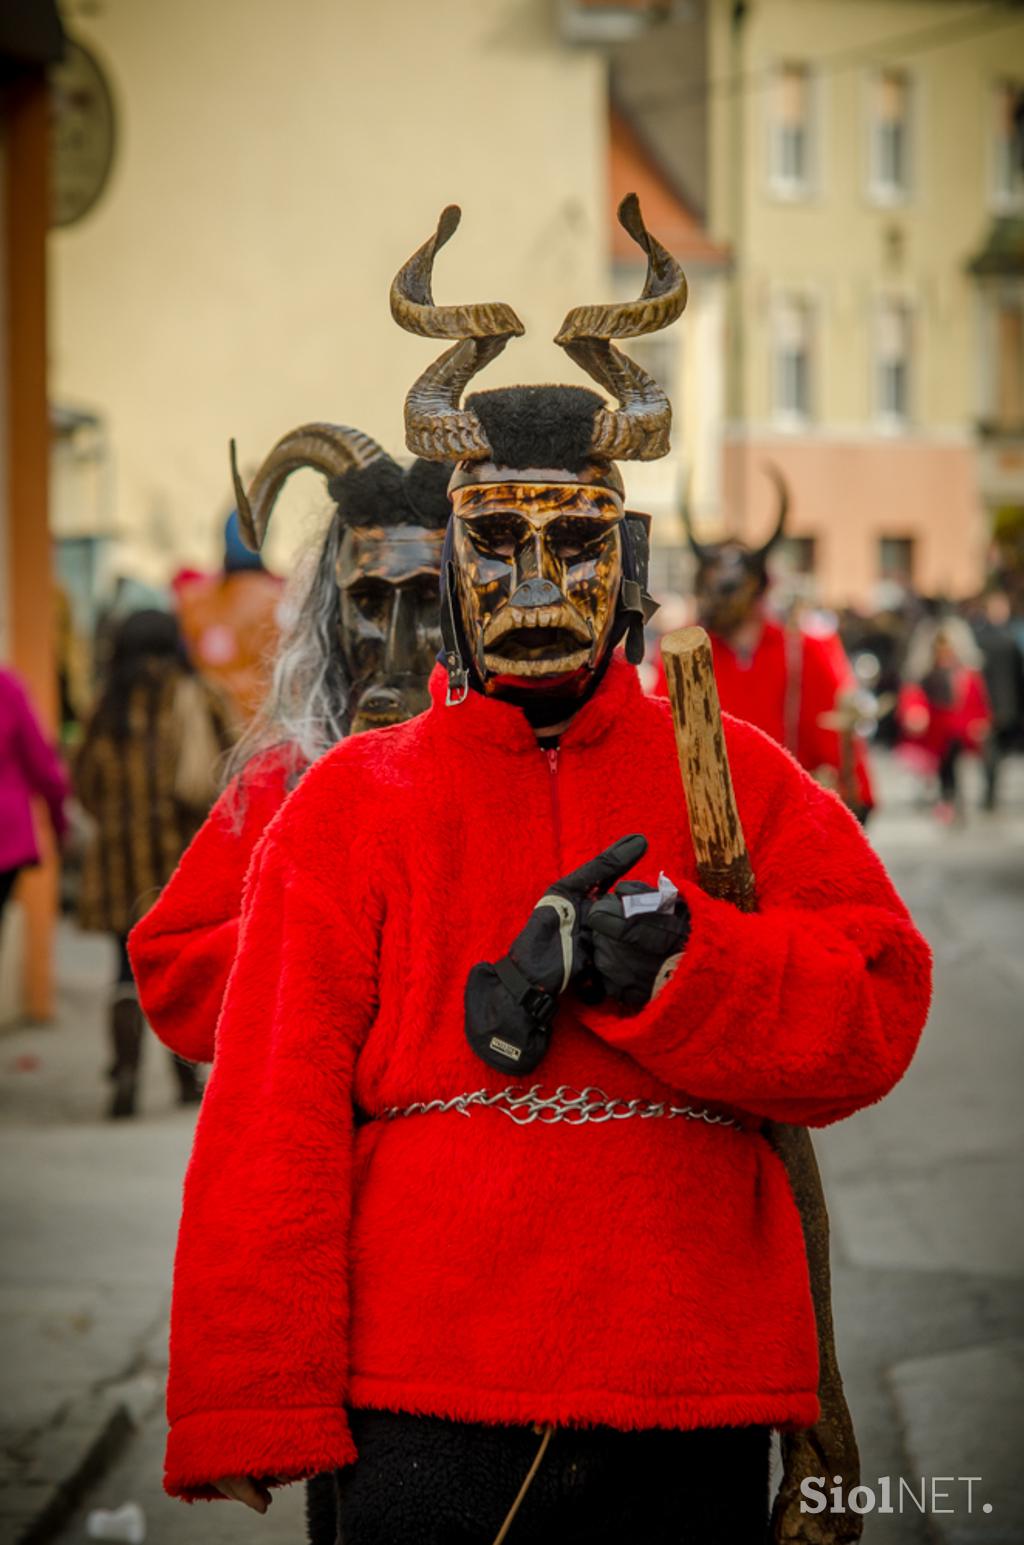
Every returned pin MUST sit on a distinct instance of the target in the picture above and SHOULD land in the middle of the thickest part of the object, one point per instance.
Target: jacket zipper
(551, 756)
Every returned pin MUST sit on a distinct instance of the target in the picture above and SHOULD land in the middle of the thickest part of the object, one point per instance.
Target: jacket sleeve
(827, 673)
(40, 763)
(182, 950)
(807, 1009)
(259, 1321)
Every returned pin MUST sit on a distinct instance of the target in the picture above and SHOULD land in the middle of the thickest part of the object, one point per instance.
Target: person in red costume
(412, 1234)
(357, 655)
(944, 710)
(787, 680)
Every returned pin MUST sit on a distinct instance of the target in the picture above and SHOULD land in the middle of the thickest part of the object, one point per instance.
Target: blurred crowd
(180, 680)
(949, 680)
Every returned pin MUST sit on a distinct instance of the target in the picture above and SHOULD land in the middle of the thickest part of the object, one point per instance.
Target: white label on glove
(662, 900)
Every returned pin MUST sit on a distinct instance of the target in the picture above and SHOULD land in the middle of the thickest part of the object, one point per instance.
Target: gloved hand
(510, 1004)
(634, 956)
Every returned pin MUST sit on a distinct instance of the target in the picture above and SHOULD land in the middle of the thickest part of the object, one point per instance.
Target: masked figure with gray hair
(356, 656)
(480, 1213)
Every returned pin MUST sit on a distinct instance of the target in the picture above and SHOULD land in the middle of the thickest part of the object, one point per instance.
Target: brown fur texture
(129, 788)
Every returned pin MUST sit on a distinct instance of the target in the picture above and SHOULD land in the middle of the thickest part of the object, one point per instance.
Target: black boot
(190, 1085)
(126, 1025)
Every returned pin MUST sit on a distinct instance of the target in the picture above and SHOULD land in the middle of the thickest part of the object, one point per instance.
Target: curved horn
(782, 492)
(638, 429)
(436, 427)
(331, 449)
(700, 552)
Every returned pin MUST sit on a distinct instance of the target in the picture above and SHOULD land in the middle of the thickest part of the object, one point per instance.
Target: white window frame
(787, 189)
(1003, 201)
(787, 417)
(996, 297)
(910, 539)
(889, 195)
(887, 420)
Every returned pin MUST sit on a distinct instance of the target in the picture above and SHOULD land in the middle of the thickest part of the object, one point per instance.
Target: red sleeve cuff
(710, 957)
(291, 1443)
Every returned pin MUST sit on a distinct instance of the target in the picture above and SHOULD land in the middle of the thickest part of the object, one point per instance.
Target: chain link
(574, 1106)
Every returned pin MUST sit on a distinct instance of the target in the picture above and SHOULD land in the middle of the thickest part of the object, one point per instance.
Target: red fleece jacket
(756, 689)
(637, 1273)
(183, 949)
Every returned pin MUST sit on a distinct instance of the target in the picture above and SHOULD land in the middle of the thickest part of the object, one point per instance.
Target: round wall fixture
(82, 149)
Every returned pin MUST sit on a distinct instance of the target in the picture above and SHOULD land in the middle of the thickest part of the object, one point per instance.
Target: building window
(896, 559)
(890, 136)
(892, 363)
(794, 329)
(1001, 361)
(790, 145)
(1007, 145)
(1010, 364)
(799, 555)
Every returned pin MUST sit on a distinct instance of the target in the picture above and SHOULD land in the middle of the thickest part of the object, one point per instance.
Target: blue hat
(237, 557)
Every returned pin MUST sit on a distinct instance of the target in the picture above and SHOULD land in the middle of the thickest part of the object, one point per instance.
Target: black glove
(629, 953)
(510, 1004)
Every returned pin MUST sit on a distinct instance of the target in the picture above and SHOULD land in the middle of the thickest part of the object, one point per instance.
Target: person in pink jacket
(29, 766)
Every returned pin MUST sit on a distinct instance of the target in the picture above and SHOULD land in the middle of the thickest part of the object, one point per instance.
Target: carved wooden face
(390, 630)
(539, 569)
(730, 582)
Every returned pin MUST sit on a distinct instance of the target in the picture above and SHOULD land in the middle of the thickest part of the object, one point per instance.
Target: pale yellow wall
(275, 165)
(834, 246)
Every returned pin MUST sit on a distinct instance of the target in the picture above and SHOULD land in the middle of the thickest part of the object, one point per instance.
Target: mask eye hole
(572, 535)
(497, 535)
(369, 592)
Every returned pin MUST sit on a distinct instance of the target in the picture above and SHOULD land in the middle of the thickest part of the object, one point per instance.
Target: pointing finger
(599, 874)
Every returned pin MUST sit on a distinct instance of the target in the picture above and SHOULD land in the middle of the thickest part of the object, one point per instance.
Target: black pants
(8, 877)
(425, 1481)
(124, 977)
(949, 763)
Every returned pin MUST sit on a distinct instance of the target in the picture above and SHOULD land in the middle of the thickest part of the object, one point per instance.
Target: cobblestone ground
(928, 1236)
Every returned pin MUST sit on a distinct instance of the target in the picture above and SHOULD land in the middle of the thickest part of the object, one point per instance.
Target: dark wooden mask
(390, 634)
(539, 569)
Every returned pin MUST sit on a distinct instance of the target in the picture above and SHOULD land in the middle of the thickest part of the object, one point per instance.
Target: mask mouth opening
(518, 659)
(538, 641)
(387, 701)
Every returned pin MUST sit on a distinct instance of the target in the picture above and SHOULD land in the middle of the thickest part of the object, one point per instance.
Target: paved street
(925, 1194)
(928, 1233)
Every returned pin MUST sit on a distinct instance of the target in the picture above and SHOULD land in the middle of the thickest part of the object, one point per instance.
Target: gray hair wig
(306, 707)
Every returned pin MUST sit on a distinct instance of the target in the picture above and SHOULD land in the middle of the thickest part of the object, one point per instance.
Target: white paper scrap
(662, 900)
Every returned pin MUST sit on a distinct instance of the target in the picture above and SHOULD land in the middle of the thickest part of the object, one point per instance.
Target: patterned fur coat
(144, 793)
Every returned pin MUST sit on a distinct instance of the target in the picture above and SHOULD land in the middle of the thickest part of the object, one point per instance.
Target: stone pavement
(927, 1237)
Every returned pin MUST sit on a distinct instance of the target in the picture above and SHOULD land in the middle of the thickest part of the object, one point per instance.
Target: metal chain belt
(566, 1104)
